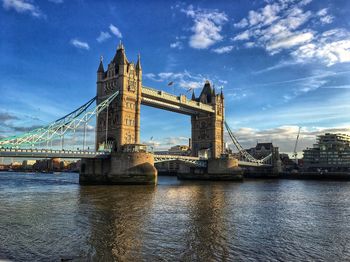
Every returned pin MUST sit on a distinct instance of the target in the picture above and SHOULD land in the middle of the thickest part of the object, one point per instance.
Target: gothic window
(202, 134)
(219, 109)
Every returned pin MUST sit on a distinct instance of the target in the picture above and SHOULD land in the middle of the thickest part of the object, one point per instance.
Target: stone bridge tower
(120, 123)
(208, 129)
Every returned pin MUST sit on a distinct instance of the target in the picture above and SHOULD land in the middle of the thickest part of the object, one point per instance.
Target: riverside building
(331, 151)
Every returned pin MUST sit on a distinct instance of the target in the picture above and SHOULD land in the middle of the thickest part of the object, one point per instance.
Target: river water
(47, 217)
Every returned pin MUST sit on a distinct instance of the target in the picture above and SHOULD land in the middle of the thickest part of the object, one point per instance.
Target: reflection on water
(49, 217)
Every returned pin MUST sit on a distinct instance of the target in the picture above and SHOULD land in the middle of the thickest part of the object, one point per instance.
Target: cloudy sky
(281, 63)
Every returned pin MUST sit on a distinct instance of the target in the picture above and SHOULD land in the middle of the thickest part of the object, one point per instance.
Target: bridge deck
(48, 153)
(252, 164)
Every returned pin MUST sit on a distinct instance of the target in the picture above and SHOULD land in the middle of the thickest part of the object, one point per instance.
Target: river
(48, 217)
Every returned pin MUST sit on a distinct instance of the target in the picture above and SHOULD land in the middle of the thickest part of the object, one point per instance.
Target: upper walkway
(180, 104)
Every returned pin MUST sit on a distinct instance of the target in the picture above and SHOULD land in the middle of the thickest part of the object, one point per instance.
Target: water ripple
(49, 217)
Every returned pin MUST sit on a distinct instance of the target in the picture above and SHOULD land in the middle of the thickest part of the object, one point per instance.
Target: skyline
(281, 64)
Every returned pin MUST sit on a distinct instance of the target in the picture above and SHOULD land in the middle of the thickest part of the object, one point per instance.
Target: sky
(281, 63)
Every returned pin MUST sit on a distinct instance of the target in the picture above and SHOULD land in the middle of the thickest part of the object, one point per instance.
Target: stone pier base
(218, 169)
(133, 168)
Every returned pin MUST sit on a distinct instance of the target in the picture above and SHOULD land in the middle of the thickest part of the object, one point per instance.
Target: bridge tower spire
(138, 64)
(120, 123)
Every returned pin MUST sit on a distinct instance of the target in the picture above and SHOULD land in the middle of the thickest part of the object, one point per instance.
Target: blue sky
(281, 63)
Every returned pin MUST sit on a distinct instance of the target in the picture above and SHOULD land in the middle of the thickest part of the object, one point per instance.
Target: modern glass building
(331, 151)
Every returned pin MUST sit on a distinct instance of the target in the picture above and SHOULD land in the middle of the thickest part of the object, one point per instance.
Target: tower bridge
(119, 157)
(120, 123)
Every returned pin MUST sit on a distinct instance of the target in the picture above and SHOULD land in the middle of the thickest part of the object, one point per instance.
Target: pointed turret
(213, 93)
(100, 67)
(193, 95)
(120, 46)
(221, 94)
(100, 70)
(138, 64)
(120, 57)
(206, 94)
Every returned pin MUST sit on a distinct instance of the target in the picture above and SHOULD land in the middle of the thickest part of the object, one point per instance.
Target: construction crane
(295, 154)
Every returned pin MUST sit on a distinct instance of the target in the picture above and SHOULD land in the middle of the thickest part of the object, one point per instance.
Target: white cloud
(325, 18)
(241, 24)
(331, 47)
(166, 75)
(115, 31)
(235, 96)
(223, 49)
(177, 45)
(80, 44)
(288, 42)
(282, 25)
(103, 37)
(330, 53)
(166, 142)
(207, 27)
(153, 77)
(189, 85)
(249, 44)
(242, 36)
(265, 16)
(337, 87)
(185, 79)
(322, 12)
(274, 27)
(22, 6)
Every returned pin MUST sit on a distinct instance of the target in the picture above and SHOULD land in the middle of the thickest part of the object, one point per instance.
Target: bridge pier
(218, 169)
(128, 167)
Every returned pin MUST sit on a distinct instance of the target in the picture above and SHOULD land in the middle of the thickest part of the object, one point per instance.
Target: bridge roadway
(78, 154)
(50, 153)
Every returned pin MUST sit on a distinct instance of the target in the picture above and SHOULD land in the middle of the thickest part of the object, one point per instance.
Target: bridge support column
(133, 168)
(218, 169)
(208, 129)
(276, 161)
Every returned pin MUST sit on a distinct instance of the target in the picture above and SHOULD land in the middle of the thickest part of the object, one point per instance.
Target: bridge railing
(61, 151)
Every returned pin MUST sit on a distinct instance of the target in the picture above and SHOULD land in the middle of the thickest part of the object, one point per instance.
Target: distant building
(181, 150)
(171, 167)
(331, 151)
(16, 165)
(28, 164)
(261, 150)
